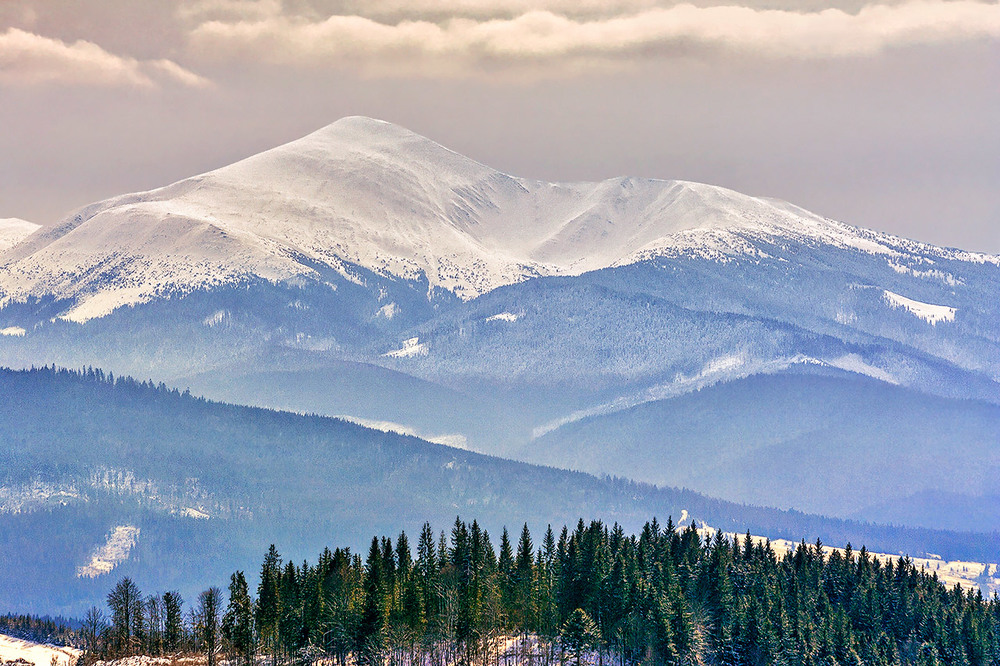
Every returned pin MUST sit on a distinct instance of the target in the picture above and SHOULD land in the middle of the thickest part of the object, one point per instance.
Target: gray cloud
(28, 59)
(268, 32)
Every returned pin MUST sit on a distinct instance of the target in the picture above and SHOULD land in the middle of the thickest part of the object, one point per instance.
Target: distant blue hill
(209, 486)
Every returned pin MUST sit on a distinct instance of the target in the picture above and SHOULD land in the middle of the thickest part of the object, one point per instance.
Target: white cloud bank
(271, 35)
(398, 10)
(28, 59)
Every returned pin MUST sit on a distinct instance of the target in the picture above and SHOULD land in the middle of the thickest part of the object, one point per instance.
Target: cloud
(539, 36)
(400, 10)
(174, 72)
(28, 59)
(488, 9)
(229, 9)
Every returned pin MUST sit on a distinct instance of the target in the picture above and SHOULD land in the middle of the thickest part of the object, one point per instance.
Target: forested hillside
(100, 474)
(758, 439)
(593, 594)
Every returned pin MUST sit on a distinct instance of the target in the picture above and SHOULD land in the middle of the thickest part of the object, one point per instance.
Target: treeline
(591, 594)
(153, 625)
(56, 631)
(148, 388)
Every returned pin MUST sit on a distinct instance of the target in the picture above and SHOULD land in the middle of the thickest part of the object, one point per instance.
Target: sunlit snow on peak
(368, 194)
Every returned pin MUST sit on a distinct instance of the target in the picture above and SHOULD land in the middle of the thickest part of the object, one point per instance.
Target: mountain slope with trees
(100, 473)
(593, 594)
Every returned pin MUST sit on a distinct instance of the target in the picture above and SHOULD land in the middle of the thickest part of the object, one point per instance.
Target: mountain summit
(366, 193)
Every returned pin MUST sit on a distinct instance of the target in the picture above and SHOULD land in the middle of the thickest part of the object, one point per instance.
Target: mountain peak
(365, 124)
(368, 193)
(363, 131)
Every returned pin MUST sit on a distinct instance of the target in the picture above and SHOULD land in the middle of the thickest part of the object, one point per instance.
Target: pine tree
(237, 623)
(173, 621)
(662, 597)
(369, 645)
(579, 634)
(267, 607)
(290, 626)
(523, 577)
(125, 602)
(207, 619)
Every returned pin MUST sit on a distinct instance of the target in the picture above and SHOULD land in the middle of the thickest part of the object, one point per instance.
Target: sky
(883, 115)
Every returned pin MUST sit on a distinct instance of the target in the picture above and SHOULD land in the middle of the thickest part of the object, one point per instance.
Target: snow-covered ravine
(12, 649)
(370, 194)
(120, 543)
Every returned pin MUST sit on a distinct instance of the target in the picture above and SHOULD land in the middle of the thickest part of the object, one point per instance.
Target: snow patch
(189, 512)
(13, 331)
(854, 363)
(944, 278)
(37, 495)
(454, 440)
(932, 314)
(411, 347)
(12, 649)
(146, 660)
(388, 311)
(105, 302)
(119, 544)
(217, 318)
(505, 316)
(969, 576)
(846, 318)
(722, 368)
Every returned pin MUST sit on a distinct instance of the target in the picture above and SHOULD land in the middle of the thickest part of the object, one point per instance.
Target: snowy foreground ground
(12, 649)
(511, 651)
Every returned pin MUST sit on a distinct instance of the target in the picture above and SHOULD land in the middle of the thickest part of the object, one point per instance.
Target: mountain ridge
(362, 192)
(206, 486)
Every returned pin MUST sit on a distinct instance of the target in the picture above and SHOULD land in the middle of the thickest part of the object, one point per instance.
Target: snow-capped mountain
(366, 193)
(368, 272)
(13, 231)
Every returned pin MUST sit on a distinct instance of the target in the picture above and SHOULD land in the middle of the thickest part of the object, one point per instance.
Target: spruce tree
(238, 621)
(207, 619)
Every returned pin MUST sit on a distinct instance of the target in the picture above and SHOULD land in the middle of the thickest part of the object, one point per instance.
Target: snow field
(12, 649)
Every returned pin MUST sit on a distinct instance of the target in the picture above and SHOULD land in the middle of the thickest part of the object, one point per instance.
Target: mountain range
(669, 332)
(103, 475)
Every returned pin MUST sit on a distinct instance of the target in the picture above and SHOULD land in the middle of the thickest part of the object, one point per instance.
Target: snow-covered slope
(12, 649)
(366, 193)
(13, 231)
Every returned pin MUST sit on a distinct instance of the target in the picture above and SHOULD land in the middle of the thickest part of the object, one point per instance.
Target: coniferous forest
(592, 594)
